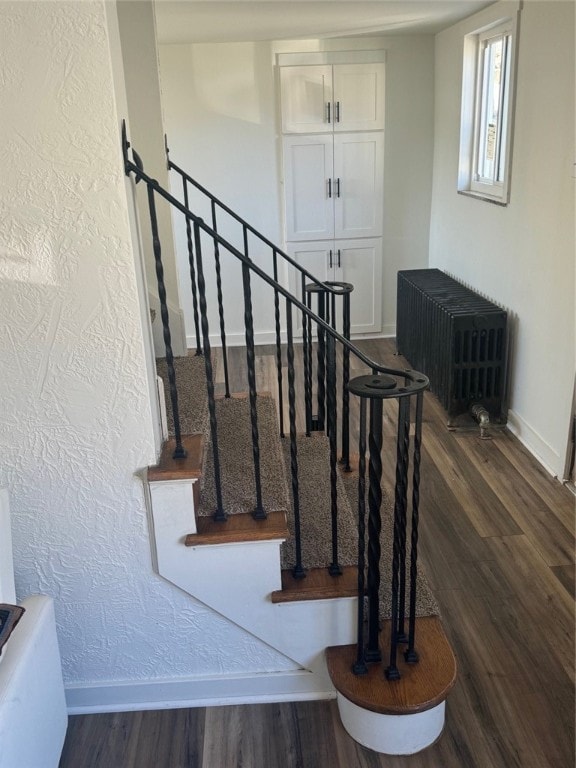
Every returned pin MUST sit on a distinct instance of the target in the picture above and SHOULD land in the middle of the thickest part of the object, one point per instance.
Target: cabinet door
(360, 262)
(308, 187)
(358, 97)
(318, 258)
(306, 94)
(358, 184)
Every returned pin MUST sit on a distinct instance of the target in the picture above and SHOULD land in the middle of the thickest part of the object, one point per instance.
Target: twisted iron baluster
(331, 302)
(305, 342)
(220, 303)
(192, 271)
(219, 514)
(321, 366)
(345, 459)
(310, 361)
(298, 571)
(404, 443)
(258, 513)
(179, 451)
(333, 319)
(392, 671)
(411, 654)
(278, 345)
(334, 568)
(374, 528)
(359, 667)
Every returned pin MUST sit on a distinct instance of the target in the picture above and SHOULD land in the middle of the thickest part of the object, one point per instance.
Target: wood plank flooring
(497, 543)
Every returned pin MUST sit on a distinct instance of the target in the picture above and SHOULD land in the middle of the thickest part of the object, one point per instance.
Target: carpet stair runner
(238, 485)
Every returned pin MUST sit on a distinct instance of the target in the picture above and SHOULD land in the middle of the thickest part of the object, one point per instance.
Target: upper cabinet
(306, 99)
(325, 98)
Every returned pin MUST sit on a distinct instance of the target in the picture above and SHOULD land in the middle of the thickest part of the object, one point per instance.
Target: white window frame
(495, 189)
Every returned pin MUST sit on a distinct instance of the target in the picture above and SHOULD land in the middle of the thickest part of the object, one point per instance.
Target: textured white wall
(221, 109)
(75, 421)
(521, 256)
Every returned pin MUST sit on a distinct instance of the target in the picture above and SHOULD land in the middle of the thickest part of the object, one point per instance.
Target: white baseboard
(237, 339)
(178, 693)
(177, 330)
(269, 337)
(535, 443)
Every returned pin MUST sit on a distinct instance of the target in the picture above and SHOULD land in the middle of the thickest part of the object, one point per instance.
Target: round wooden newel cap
(373, 386)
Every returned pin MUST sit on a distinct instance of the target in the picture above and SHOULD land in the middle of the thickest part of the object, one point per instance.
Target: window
(487, 101)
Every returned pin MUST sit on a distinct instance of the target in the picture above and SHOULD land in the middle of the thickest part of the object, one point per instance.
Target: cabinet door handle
(337, 187)
(329, 187)
(330, 256)
(339, 254)
(328, 107)
(337, 111)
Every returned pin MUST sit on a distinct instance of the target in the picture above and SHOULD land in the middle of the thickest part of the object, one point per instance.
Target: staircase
(285, 532)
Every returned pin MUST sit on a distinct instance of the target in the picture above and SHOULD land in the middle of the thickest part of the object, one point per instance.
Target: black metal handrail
(382, 384)
(216, 201)
(417, 380)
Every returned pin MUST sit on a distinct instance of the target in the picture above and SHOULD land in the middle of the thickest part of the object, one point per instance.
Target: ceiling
(185, 21)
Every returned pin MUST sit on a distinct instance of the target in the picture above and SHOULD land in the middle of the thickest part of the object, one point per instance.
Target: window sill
(481, 196)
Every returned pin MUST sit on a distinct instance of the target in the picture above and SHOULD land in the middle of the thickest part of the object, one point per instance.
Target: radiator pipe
(481, 415)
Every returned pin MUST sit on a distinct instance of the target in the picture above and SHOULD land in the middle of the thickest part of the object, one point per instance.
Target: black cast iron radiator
(457, 338)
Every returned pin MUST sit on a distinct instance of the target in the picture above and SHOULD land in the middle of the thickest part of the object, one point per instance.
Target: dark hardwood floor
(497, 544)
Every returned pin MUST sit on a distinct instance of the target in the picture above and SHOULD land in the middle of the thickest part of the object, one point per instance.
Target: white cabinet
(358, 184)
(333, 148)
(306, 99)
(340, 97)
(333, 185)
(351, 261)
(308, 186)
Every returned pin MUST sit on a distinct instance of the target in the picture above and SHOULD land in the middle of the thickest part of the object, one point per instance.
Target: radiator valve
(481, 415)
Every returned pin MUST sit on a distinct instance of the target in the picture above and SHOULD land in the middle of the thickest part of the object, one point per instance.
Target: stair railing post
(331, 414)
(278, 344)
(376, 388)
(399, 545)
(179, 451)
(259, 512)
(321, 364)
(310, 360)
(220, 302)
(374, 528)
(298, 571)
(359, 667)
(192, 268)
(219, 514)
(404, 443)
(345, 458)
(411, 655)
(306, 343)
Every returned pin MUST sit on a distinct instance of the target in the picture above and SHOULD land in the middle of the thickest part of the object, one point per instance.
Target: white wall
(522, 255)
(137, 26)
(75, 419)
(220, 120)
(221, 111)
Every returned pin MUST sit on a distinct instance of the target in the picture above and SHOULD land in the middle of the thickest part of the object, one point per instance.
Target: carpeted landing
(238, 484)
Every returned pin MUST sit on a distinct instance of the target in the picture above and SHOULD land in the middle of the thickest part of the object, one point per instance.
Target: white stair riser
(392, 734)
(237, 580)
(172, 503)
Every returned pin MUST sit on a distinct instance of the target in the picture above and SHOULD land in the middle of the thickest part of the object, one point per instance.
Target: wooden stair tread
(318, 585)
(169, 468)
(422, 686)
(238, 528)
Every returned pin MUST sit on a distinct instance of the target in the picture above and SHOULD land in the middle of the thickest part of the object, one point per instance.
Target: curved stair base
(392, 734)
(396, 717)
